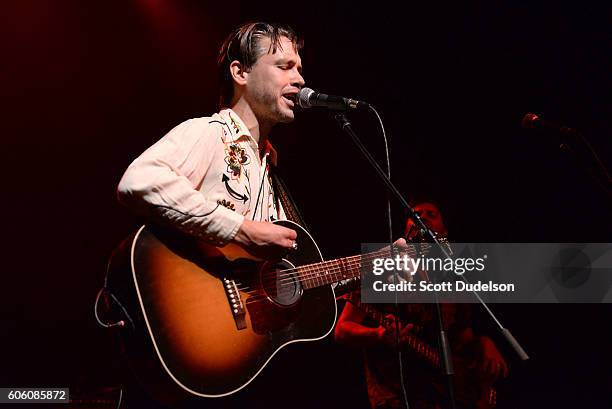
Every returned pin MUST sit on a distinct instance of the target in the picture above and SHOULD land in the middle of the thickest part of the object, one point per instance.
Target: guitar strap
(281, 193)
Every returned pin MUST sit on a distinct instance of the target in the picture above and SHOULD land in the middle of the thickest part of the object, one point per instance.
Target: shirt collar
(235, 124)
(239, 130)
(269, 149)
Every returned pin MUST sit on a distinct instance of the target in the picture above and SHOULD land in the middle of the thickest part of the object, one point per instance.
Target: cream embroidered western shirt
(203, 177)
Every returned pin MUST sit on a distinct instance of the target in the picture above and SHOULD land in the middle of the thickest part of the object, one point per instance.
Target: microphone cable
(390, 227)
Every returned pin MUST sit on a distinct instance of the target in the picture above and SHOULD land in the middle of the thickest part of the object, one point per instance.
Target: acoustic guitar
(206, 320)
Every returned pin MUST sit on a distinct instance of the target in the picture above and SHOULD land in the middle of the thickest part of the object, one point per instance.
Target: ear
(238, 73)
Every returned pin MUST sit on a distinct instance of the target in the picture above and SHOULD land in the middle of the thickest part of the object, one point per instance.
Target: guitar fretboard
(333, 271)
(328, 272)
(415, 344)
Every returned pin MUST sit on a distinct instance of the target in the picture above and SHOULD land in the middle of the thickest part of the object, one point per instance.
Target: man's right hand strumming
(265, 240)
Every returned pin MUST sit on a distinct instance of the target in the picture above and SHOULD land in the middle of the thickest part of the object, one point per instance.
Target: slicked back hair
(244, 45)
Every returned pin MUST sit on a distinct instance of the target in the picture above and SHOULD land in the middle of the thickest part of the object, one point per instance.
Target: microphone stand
(445, 347)
(573, 143)
(586, 157)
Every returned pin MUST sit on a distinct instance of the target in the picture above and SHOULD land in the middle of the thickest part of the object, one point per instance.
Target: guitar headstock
(420, 245)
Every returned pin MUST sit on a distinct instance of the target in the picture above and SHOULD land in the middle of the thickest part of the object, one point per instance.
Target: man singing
(208, 176)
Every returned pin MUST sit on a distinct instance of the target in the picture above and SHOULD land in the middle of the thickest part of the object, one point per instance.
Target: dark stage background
(87, 86)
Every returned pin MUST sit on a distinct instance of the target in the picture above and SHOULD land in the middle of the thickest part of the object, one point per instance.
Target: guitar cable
(120, 398)
(104, 289)
(120, 323)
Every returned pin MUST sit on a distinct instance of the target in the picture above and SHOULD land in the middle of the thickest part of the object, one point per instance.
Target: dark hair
(419, 199)
(243, 45)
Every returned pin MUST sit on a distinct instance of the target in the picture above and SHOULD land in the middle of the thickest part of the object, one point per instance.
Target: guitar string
(337, 272)
(323, 265)
(284, 290)
(287, 287)
(269, 279)
(316, 269)
(310, 272)
(337, 269)
(425, 351)
(428, 352)
(385, 251)
(319, 272)
(420, 347)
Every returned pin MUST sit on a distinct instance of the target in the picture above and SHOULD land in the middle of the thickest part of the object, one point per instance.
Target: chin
(286, 117)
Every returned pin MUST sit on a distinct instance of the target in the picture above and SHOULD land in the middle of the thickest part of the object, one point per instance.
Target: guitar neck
(346, 268)
(426, 351)
(412, 342)
(329, 272)
(334, 271)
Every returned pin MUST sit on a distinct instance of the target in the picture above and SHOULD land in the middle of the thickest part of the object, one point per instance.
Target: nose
(298, 80)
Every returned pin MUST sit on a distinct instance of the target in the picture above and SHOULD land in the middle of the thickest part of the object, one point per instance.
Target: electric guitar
(471, 389)
(205, 320)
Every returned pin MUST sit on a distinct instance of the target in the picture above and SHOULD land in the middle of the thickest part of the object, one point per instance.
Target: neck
(258, 127)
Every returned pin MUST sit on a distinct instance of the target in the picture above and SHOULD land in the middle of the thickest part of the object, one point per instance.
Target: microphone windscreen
(303, 97)
(529, 121)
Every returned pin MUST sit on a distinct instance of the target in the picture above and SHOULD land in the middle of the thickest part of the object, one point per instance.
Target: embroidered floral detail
(226, 203)
(236, 158)
(237, 128)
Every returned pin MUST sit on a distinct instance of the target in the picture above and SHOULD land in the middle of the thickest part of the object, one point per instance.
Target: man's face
(273, 82)
(432, 218)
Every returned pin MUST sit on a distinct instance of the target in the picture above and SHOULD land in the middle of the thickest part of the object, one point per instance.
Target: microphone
(308, 98)
(577, 145)
(534, 121)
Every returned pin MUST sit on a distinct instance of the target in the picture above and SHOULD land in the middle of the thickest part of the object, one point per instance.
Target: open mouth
(290, 98)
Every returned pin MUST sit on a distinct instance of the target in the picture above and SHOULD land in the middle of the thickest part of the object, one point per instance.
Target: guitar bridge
(235, 303)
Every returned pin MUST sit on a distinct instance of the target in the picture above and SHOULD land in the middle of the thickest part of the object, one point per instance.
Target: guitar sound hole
(281, 283)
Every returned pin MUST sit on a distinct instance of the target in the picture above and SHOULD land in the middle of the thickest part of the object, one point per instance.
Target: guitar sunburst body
(205, 321)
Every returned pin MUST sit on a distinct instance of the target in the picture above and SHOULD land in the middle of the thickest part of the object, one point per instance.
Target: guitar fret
(328, 272)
